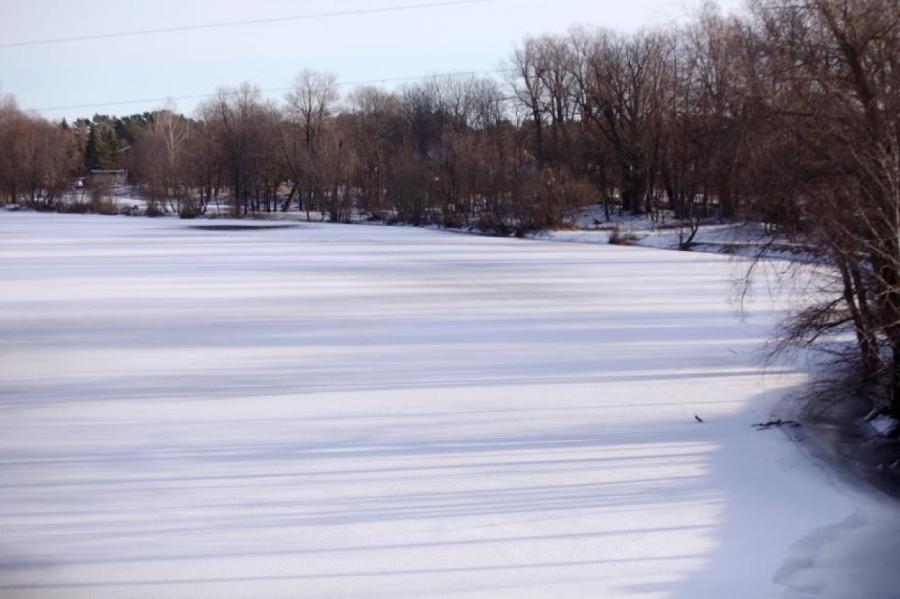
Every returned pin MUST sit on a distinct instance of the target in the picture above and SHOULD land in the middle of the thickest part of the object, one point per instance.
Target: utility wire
(275, 90)
(304, 17)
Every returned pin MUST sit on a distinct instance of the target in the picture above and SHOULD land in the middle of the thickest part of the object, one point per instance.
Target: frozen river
(370, 411)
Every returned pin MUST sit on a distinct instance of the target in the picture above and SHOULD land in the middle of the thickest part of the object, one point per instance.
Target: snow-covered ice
(384, 412)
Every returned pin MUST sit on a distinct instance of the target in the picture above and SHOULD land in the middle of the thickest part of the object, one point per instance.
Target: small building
(110, 177)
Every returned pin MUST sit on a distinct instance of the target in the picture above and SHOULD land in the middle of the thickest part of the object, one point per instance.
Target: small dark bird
(697, 418)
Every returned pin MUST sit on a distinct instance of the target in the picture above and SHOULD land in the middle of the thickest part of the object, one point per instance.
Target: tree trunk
(895, 395)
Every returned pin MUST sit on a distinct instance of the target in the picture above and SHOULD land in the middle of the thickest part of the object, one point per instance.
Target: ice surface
(378, 411)
(883, 425)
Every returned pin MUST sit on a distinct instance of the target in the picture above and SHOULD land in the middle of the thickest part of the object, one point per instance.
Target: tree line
(660, 120)
(785, 115)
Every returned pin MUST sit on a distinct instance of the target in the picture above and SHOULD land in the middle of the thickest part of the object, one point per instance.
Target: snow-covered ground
(723, 238)
(590, 226)
(343, 411)
(746, 239)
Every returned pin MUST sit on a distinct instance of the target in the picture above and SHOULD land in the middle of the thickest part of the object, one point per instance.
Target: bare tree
(372, 127)
(240, 122)
(37, 157)
(829, 76)
(309, 106)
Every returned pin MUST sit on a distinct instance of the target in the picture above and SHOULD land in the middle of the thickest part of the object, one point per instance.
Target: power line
(304, 17)
(271, 90)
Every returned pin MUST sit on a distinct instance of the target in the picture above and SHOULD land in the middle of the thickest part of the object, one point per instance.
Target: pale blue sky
(417, 42)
